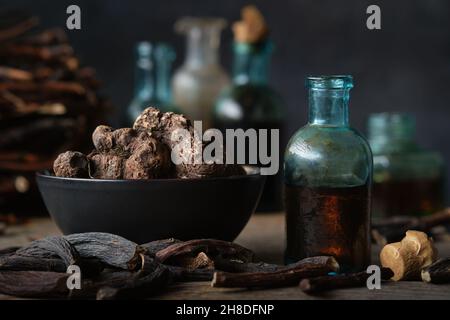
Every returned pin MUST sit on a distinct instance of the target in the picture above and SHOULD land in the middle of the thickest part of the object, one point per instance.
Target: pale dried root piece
(201, 261)
(408, 257)
(252, 28)
(438, 272)
(71, 164)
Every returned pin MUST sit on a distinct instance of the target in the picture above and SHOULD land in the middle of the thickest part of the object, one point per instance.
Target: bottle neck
(329, 107)
(202, 47)
(252, 63)
(164, 57)
(144, 86)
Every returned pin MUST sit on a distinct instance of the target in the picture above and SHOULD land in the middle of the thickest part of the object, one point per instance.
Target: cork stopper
(252, 27)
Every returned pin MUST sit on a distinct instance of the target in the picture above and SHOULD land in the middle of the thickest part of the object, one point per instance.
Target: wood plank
(264, 234)
(389, 291)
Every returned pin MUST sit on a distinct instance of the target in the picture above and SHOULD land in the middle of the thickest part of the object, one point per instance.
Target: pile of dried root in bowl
(143, 152)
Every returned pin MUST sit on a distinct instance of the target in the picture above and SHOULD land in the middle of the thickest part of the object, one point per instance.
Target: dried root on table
(438, 272)
(331, 282)
(113, 267)
(393, 229)
(408, 257)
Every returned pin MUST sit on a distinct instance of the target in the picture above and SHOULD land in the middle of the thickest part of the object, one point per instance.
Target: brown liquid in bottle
(408, 197)
(329, 221)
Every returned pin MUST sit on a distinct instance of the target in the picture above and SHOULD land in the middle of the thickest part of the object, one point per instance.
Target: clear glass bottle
(152, 63)
(250, 102)
(198, 82)
(328, 176)
(408, 180)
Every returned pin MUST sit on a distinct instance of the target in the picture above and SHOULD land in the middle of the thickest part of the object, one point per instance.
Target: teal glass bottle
(408, 180)
(152, 63)
(164, 57)
(327, 180)
(250, 102)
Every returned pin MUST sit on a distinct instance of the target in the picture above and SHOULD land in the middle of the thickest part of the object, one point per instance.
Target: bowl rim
(46, 174)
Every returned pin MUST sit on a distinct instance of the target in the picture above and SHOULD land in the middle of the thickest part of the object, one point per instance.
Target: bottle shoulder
(328, 156)
(328, 137)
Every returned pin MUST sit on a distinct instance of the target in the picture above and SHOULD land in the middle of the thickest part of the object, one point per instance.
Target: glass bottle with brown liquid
(327, 179)
(408, 180)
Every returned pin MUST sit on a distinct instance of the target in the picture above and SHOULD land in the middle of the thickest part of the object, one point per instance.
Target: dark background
(403, 67)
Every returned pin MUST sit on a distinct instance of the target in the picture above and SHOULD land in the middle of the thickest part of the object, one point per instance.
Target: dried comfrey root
(149, 161)
(71, 164)
(145, 152)
(106, 166)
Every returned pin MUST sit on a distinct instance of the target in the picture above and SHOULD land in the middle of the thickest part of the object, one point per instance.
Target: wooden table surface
(264, 234)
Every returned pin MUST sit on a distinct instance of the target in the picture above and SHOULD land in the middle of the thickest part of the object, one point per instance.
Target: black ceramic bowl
(146, 210)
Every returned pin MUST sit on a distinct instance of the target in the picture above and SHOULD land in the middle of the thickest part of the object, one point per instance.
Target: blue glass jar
(152, 79)
(328, 177)
(408, 180)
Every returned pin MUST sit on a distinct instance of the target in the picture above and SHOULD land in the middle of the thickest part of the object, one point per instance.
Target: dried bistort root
(71, 164)
(211, 247)
(13, 262)
(408, 257)
(153, 247)
(113, 284)
(332, 282)
(149, 161)
(160, 145)
(393, 229)
(102, 138)
(112, 250)
(51, 247)
(288, 276)
(177, 132)
(106, 166)
(35, 284)
(163, 125)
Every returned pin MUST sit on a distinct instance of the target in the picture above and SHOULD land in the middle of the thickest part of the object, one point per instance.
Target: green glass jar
(152, 79)
(328, 177)
(408, 180)
(250, 102)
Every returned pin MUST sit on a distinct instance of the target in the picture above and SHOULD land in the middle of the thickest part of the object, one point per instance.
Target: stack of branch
(48, 102)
